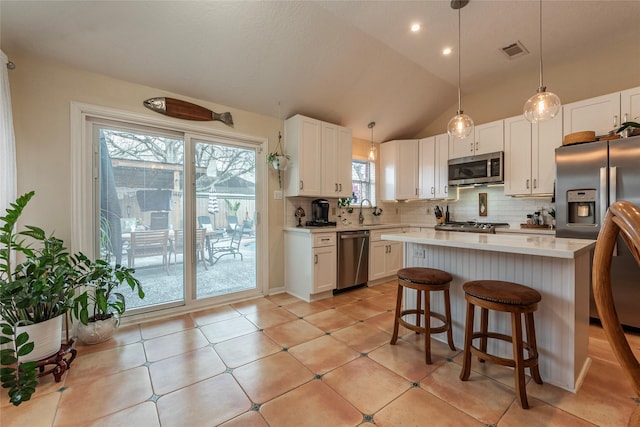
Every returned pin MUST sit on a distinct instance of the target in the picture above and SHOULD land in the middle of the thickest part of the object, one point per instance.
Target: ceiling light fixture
(461, 125)
(415, 27)
(372, 149)
(543, 105)
(446, 51)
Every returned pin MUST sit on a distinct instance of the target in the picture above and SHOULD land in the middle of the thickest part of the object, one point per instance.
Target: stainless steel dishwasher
(353, 259)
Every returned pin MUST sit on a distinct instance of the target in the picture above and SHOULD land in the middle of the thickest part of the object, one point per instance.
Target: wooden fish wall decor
(185, 110)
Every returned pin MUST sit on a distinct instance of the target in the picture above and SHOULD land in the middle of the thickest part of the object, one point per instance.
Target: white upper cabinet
(399, 164)
(529, 155)
(336, 160)
(433, 170)
(630, 105)
(320, 164)
(600, 114)
(303, 143)
(486, 138)
(427, 170)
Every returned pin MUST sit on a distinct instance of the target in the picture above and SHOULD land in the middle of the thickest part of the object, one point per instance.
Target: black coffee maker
(320, 214)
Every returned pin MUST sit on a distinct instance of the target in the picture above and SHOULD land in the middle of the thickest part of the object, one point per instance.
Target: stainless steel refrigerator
(590, 177)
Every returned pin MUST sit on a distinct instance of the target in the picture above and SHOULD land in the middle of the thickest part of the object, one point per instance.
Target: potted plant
(35, 294)
(278, 159)
(38, 291)
(100, 306)
(376, 212)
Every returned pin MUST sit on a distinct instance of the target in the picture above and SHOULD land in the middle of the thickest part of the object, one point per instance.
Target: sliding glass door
(187, 227)
(225, 215)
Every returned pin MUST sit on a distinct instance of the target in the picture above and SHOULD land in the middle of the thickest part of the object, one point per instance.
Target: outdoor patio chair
(230, 248)
(159, 220)
(147, 244)
(177, 245)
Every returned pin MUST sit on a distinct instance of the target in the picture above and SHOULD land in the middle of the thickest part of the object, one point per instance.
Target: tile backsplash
(500, 208)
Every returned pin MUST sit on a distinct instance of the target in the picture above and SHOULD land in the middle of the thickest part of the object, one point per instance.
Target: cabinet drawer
(324, 239)
(375, 234)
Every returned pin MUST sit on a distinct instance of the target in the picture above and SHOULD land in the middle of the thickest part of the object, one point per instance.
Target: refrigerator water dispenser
(582, 207)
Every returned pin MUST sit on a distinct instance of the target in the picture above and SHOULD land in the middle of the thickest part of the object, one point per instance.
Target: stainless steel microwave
(480, 169)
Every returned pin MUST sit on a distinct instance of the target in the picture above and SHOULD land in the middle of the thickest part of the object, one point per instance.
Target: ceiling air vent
(514, 50)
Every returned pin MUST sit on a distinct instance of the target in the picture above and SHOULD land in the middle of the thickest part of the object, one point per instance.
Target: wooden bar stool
(424, 280)
(506, 297)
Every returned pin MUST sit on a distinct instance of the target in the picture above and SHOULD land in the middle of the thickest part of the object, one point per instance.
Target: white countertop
(344, 228)
(505, 242)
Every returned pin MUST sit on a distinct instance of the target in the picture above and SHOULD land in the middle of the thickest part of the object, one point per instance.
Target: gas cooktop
(471, 226)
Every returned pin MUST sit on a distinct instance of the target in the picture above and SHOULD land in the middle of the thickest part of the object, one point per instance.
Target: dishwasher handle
(354, 235)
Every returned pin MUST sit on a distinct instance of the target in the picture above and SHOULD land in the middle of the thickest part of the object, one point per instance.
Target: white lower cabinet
(310, 264)
(385, 257)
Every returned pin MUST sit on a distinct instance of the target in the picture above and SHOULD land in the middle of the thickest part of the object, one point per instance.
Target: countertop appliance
(480, 169)
(320, 214)
(590, 177)
(471, 226)
(353, 259)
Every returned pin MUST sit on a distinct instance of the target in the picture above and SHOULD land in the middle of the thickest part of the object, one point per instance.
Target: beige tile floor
(279, 361)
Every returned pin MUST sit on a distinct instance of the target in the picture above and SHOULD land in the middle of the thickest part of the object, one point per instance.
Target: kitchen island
(557, 268)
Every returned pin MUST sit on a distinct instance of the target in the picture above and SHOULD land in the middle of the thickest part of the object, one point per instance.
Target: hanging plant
(278, 159)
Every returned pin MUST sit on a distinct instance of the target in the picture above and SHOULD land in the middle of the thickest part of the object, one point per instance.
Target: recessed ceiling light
(446, 51)
(415, 27)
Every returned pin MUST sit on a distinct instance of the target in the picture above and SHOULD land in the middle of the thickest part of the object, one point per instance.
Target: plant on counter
(345, 203)
(376, 211)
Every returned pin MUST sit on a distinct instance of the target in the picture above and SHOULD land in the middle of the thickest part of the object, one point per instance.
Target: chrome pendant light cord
(459, 67)
(541, 79)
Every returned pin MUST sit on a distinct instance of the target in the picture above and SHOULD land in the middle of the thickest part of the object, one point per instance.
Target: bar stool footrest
(434, 330)
(529, 362)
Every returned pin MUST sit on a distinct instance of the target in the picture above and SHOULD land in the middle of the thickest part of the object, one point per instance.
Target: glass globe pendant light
(372, 149)
(543, 105)
(461, 125)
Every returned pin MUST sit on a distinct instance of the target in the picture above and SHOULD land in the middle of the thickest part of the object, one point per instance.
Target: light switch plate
(277, 194)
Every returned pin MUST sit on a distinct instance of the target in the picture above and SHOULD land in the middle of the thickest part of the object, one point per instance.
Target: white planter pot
(97, 332)
(280, 163)
(46, 336)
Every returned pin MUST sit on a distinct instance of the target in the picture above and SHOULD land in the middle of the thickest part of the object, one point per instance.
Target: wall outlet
(277, 194)
(418, 253)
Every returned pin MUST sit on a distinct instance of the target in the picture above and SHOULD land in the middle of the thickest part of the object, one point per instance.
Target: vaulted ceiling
(347, 62)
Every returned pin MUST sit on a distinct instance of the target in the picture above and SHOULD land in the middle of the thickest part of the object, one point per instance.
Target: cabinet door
(377, 255)
(343, 162)
(442, 166)
(388, 156)
(517, 156)
(427, 167)
(547, 136)
(630, 105)
(303, 141)
(394, 258)
(600, 114)
(489, 137)
(329, 166)
(464, 147)
(407, 169)
(324, 269)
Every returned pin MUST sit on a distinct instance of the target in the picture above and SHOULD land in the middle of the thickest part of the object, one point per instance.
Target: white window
(363, 175)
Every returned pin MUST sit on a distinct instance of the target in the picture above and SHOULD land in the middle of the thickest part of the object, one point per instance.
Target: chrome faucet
(361, 217)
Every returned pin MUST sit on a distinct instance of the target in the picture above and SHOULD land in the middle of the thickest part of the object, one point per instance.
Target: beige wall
(576, 79)
(41, 93)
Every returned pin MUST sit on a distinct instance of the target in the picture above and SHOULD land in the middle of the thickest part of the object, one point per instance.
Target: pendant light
(543, 105)
(460, 126)
(372, 149)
